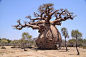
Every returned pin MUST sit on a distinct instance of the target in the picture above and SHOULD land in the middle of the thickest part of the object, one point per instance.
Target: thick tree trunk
(76, 46)
(49, 37)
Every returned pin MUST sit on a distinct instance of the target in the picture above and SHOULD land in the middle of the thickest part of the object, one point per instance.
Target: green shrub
(80, 46)
(30, 47)
(12, 47)
(84, 47)
(3, 48)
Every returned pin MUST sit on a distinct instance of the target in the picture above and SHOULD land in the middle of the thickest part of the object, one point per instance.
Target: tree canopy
(64, 32)
(46, 12)
(26, 36)
(4, 41)
(76, 33)
(45, 8)
(72, 41)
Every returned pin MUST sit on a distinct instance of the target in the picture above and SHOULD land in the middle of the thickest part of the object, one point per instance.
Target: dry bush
(3, 48)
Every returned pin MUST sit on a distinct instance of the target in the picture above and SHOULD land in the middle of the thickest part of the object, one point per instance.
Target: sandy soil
(18, 52)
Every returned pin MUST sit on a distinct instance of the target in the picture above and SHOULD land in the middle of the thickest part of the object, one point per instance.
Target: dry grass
(18, 52)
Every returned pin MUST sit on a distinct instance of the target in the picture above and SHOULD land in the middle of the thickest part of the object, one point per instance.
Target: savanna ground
(33, 52)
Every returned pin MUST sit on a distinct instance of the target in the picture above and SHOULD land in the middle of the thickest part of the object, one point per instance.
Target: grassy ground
(18, 52)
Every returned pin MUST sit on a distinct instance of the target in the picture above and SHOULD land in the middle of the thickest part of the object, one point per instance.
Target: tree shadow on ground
(63, 51)
(42, 49)
(72, 54)
(83, 51)
(60, 50)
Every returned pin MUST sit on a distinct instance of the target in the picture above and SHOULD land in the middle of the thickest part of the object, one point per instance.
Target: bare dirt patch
(18, 52)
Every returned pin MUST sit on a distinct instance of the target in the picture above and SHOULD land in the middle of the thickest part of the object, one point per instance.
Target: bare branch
(46, 13)
(58, 23)
(28, 17)
(36, 19)
(20, 26)
(33, 26)
(36, 14)
(38, 22)
(54, 12)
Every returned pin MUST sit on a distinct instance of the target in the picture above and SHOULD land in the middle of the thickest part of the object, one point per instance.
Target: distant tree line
(24, 42)
(28, 41)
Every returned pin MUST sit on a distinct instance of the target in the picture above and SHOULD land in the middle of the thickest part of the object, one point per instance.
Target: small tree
(65, 34)
(14, 42)
(8, 41)
(25, 38)
(72, 41)
(84, 40)
(19, 43)
(76, 34)
(4, 42)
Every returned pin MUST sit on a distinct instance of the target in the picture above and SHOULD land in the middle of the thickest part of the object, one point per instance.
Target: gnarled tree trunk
(49, 38)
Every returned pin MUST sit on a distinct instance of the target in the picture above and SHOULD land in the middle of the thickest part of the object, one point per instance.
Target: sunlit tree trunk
(76, 46)
(65, 44)
(24, 46)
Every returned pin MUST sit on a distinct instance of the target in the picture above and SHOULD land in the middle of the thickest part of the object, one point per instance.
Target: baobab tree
(49, 35)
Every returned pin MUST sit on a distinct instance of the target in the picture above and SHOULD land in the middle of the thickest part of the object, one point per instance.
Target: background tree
(4, 42)
(76, 34)
(79, 42)
(8, 40)
(4, 39)
(34, 42)
(72, 41)
(84, 42)
(0, 40)
(20, 43)
(65, 34)
(25, 38)
(14, 42)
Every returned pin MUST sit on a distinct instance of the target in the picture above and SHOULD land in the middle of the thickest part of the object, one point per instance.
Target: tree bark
(49, 37)
(76, 46)
(24, 46)
(65, 44)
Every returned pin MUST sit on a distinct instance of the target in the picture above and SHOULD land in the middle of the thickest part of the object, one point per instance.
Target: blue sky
(12, 10)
